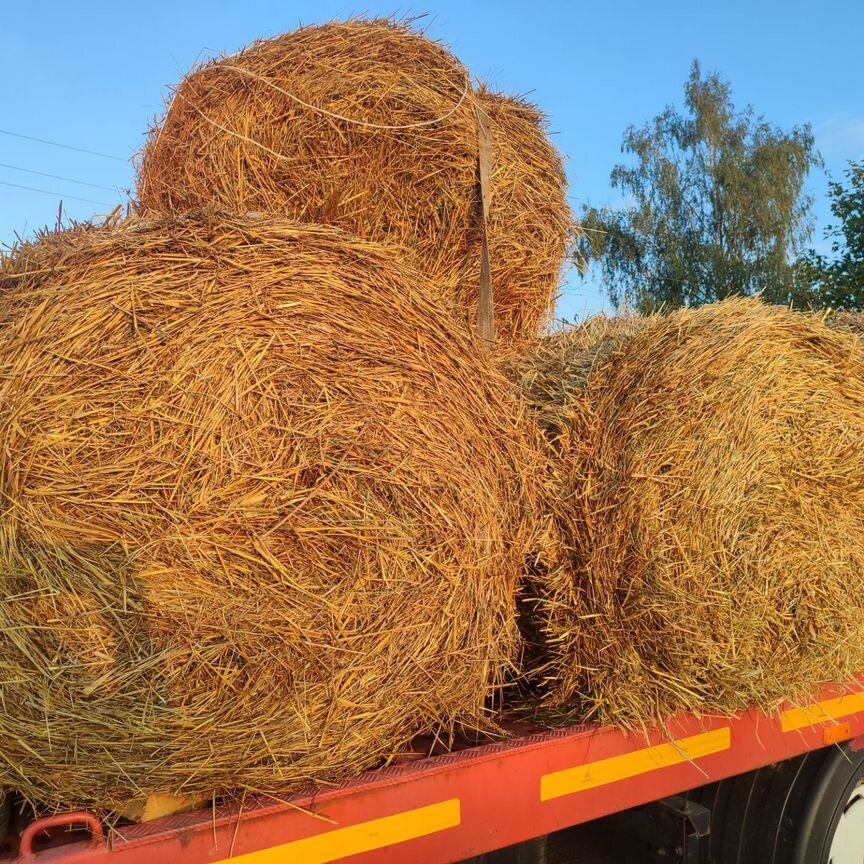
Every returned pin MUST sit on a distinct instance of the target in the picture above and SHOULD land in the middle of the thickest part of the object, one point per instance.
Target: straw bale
(263, 511)
(303, 125)
(713, 503)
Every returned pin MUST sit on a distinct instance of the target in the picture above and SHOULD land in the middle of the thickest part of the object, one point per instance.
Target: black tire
(842, 773)
(785, 813)
(753, 819)
(790, 790)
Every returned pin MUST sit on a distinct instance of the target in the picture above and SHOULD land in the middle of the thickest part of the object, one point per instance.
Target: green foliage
(715, 205)
(838, 281)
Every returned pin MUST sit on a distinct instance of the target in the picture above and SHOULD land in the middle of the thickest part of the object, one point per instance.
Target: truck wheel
(807, 810)
(831, 830)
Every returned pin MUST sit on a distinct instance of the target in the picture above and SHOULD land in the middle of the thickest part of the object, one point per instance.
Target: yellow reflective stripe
(616, 768)
(822, 712)
(375, 834)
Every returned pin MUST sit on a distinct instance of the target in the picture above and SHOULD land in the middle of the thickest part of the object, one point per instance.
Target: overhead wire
(55, 194)
(58, 177)
(61, 145)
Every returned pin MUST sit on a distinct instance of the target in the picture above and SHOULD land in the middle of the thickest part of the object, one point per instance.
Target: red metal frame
(483, 798)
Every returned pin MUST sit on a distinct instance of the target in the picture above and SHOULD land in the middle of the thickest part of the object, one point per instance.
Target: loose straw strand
(379, 126)
(232, 132)
(282, 156)
(384, 127)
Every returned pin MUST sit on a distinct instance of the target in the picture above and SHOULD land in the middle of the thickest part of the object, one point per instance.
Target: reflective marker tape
(822, 712)
(593, 774)
(376, 834)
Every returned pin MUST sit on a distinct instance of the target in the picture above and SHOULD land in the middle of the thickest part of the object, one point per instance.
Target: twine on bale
(364, 123)
(386, 151)
(710, 494)
(263, 513)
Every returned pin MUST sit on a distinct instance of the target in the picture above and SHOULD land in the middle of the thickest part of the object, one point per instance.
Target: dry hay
(550, 380)
(263, 511)
(529, 222)
(556, 371)
(293, 125)
(714, 492)
(846, 321)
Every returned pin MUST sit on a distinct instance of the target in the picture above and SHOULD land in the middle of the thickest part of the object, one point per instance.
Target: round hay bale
(371, 127)
(713, 500)
(263, 511)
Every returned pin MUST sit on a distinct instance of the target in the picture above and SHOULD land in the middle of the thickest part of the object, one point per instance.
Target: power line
(64, 146)
(55, 194)
(57, 177)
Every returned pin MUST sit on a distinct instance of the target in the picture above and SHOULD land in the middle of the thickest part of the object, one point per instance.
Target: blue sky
(95, 74)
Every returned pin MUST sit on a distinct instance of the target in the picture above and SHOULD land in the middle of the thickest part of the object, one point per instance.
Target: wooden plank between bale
(161, 804)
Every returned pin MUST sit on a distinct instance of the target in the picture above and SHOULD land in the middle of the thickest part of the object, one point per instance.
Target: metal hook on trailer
(61, 820)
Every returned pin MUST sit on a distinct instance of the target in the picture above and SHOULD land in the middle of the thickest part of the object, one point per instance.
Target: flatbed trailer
(470, 803)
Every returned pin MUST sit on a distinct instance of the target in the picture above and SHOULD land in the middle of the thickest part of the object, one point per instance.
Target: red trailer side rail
(451, 807)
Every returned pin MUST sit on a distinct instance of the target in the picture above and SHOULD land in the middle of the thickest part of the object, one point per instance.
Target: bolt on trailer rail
(447, 808)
